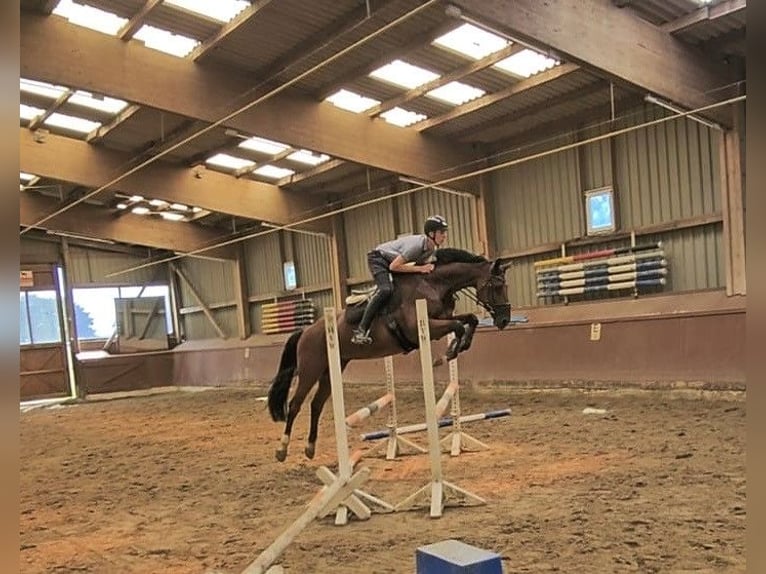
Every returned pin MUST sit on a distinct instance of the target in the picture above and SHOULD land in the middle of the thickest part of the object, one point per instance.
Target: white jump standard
(438, 491)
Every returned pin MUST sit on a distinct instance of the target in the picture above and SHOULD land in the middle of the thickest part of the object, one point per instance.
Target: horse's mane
(453, 255)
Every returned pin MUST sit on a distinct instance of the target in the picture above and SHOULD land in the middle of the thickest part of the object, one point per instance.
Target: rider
(394, 257)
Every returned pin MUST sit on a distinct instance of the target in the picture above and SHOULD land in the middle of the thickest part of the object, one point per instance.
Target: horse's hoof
(281, 455)
(310, 451)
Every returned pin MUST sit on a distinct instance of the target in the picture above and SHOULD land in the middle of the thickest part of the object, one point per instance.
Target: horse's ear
(499, 268)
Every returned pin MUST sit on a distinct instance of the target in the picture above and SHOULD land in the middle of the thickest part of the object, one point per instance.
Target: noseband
(489, 305)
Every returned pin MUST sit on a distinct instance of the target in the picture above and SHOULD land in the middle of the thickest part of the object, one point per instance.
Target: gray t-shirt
(410, 247)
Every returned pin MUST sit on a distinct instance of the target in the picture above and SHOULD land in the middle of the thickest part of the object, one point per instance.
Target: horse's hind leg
(317, 404)
(304, 386)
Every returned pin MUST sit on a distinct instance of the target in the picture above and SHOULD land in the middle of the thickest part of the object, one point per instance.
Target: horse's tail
(280, 386)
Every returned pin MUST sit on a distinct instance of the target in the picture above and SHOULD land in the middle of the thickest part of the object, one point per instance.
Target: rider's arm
(401, 265)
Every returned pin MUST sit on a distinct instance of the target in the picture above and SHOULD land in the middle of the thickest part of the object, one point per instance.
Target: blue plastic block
(455, 557)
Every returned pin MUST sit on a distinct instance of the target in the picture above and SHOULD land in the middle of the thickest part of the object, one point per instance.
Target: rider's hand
(427, 268)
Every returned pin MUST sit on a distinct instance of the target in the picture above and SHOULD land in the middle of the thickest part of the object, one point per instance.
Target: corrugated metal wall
(264, 258)
(661, 174)
(91, 267)
(214, 283)
(38, 251)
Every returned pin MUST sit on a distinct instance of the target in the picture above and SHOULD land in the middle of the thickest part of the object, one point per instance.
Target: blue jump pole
(443, 422)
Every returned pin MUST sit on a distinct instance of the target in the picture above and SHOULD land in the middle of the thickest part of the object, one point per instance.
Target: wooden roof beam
(457, 74)
(91, 221)
(137, 20)
(180, 86)
(75, 161)
(489, 99)
(614, 42)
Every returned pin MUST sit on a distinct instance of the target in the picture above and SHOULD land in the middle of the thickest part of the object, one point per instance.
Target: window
(291, 281)
(94, 308)
(599, 211)
(39, 318)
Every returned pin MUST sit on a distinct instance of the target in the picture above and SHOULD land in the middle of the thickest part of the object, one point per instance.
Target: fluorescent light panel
(351, 101)
(402, 74)
(229, 161)
(164, 41)
(220, 10)
(65, 121)
(89, 17)
(273, 172)
(103, 104)
(401, 117)
(456, 93)
(308, 157)
(41, 88)
(29, 112)
(526, 63)
(263, 145)
(471, 41)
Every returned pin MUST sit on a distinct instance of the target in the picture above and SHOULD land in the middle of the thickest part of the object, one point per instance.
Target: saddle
(359, 299)
(359, 296)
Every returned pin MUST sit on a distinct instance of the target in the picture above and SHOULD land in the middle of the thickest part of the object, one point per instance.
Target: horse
(394, 331)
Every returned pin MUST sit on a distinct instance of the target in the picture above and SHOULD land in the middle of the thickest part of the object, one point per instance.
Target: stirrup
(361, 337)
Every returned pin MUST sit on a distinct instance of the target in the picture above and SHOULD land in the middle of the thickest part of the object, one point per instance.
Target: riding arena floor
(187, 483)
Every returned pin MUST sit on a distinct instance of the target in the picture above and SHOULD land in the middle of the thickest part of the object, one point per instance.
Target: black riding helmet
(435, 223)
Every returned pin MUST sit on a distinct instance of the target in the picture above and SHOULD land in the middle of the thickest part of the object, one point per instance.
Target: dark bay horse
(394, 331)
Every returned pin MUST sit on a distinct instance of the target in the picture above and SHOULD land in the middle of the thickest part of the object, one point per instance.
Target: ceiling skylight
(351, 101)
(72, 123)
(221, 10)
(403, 74)
(29, 112)
(471, 41)
(164, 41)
(90, 17)
(401, 117)
(526, 63)
(103, 104)
(229, 161)
(263, 145)
(273, 171)
(456, 93)
(41, 88)
(308, 157)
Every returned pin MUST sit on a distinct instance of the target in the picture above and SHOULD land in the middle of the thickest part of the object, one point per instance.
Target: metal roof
(281, 41)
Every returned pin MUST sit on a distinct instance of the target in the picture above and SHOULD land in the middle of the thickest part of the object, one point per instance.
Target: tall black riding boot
(362, 332)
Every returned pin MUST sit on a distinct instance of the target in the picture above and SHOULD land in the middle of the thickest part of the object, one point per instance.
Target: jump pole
(445, 422)
(438, 490)
(457, 441)
(396, 444)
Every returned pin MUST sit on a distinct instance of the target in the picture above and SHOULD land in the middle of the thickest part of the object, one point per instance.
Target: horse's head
(493, 296)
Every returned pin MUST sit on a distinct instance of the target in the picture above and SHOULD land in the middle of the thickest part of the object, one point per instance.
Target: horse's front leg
(471, 321)
(441, 327)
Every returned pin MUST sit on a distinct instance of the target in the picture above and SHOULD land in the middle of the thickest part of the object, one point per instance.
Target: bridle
(490, 306)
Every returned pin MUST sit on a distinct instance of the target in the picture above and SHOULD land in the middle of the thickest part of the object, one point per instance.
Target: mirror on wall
(140, 325)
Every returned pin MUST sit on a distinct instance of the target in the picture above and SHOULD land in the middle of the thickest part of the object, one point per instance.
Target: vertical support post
(733, 213)
(241, 293)
(436, 491)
